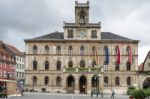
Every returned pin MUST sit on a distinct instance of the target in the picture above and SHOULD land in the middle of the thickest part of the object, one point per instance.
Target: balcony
(82, 70)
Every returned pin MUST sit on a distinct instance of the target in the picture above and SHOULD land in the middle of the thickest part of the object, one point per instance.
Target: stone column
(89, 84)
(76, 84)
(64, 83)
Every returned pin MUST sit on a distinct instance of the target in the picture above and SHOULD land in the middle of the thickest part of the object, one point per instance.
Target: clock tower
(81, 13)
(82, 29)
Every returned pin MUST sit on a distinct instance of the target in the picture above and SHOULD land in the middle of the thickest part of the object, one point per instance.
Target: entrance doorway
(83, 84)
(146, 83)
(70, 84)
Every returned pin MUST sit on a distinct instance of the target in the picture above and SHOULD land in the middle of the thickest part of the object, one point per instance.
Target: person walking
(112, 94)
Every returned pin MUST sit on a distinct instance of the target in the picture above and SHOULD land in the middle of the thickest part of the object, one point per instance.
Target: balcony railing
(82, 69)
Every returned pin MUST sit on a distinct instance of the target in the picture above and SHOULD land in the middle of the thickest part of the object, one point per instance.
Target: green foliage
(147, 92)
(130, 89)
(138, 94)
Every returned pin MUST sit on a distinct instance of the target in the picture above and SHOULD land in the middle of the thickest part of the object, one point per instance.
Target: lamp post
(97, 77)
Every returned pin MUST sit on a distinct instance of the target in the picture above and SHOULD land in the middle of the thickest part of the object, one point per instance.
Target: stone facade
(74, 61)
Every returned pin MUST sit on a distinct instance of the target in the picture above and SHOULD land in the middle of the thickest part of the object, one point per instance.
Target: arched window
(58, 65)
(82, 16)
(128, 66)
(117, 81)
(46, 80)
(34, 49)
(93, 50)
(46, 49)
(70, 64)
(117, 67)
(129, 53)
(58, 81)
(129, 81)
(58, 50)
(94, 34)
(82, 63)
(34, 65)
(70, 33)
(93, 63)
(106, 81)
(70, 50)
(46, 65)
(34, 81)
(82, 50)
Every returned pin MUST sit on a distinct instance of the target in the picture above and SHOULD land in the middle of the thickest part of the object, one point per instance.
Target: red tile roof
(15, 50)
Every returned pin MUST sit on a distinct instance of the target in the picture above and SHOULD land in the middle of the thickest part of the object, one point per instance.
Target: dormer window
(70, 33)
(94, 34)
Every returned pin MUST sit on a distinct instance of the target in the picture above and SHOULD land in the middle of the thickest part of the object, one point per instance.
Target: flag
(118, 55)
(106, 55)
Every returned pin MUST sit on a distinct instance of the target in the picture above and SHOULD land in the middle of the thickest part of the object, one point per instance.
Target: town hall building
(81, 58)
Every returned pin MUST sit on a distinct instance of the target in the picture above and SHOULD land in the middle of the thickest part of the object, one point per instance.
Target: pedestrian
(102, 94)
(112, 94)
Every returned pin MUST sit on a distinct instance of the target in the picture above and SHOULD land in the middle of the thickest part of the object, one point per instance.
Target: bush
(147, 93)
(130, 89)
(138, 94)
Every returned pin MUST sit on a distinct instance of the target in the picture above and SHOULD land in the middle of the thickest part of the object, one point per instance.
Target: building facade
(144, 73)
(81, 58)
(20, 63)
(7, 70)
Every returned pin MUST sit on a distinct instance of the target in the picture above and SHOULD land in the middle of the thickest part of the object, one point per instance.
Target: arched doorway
(146, 83)
(83, 84)
(70, 84)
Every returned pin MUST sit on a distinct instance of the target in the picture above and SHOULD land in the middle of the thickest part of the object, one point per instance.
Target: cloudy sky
(22, 19)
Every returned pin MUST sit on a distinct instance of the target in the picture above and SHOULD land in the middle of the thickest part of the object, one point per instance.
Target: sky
(24, 19)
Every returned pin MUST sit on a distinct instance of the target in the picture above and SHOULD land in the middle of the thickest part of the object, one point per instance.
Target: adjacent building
(144, 73)
(81, 58)
(7, 70)
(20, 64)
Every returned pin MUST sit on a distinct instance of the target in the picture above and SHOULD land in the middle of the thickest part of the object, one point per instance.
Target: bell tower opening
(81, 13)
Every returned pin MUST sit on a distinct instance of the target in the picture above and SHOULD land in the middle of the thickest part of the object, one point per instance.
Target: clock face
(82, 34)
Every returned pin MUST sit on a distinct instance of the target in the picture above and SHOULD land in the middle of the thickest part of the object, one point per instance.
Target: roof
(140, 67)
(60, 36)
(145, 59)
(15, 50)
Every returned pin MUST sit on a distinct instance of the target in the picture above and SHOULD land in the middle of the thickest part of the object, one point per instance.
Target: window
(70, 33)
(58, 65)
(34, 49)
(117, 67)
(148, 64)
(46, 49)
(35, 65)
(94, 63)
(82, 16)
(94, 34)
(106, 81)
(128, 66)
(46, 65)
(128, 81)
(117, 81)
(70, 64)
(58, 50)
(82, 50)
(82, 63)
(34, 81)
(93, 50)
(46, 80)
(70, 50)
(58, 81)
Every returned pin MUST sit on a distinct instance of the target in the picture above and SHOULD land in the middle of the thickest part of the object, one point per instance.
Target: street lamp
(97, 77)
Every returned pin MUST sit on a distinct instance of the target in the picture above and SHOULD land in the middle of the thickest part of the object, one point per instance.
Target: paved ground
(64, 96)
